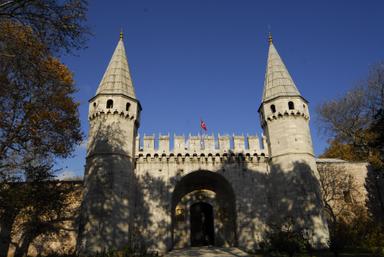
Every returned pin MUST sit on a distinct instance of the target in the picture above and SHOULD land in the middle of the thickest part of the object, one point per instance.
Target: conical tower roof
(117, 78)
(278, 81)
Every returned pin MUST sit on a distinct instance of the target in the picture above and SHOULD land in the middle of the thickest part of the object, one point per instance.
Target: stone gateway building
(206, 190)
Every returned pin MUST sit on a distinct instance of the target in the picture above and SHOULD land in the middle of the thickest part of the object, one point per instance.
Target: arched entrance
(203, 211)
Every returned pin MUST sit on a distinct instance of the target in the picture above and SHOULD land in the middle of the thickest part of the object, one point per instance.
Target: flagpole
(201, 133)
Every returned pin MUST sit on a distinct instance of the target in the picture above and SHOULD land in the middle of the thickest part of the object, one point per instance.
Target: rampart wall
(201, 145)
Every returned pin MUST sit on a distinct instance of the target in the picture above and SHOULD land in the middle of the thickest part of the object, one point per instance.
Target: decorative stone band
(201, 146)
(110, 112)
(280, 115)
(287, 113)
(202, 158)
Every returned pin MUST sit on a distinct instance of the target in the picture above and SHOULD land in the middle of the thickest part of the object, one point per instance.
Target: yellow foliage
(58, 70)
(40, 90)
(341, 151)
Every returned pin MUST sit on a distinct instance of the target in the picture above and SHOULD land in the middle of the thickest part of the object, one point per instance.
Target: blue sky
(207, 58)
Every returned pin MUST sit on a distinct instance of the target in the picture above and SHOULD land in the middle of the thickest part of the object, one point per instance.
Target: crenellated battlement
(197, 146)
(224, 158)
(286, 113)
(101, 113)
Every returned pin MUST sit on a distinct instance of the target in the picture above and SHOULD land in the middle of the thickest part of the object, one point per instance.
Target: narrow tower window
(94, 104)
(110, 104)
(273, 108)
(127, 106)
(347, 196)
(291, 105)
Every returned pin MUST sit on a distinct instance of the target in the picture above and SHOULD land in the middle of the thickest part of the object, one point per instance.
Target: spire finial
(270, 38)
(121, 34)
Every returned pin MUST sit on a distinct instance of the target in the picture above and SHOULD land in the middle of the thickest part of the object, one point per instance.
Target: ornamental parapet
(287, 113)
(202, 147)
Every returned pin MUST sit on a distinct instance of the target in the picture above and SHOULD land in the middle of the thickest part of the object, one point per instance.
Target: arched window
(110, 104)
(94, 105)
(273, 108)
(127, 106)
(291, 105)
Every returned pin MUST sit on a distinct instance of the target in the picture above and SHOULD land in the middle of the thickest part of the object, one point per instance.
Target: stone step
(208, 251)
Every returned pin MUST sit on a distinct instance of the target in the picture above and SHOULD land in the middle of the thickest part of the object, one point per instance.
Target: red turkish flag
(202, 125)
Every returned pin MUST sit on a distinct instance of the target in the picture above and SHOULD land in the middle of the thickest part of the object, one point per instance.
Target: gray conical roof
(117, 79)
(277, 81)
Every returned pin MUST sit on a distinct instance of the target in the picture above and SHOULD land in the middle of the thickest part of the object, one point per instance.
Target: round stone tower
(114, 116)
(294, 186)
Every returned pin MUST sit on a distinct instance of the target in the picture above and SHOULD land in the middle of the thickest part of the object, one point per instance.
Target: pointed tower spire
(277, 81)
(270, 40)
(117, 78)
(114, 120)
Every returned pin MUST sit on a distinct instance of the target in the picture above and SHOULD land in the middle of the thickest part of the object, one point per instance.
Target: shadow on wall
(295, 197)
(261, 202)
(118, 204)
(374, 185)
(121, 208)
(107, 209)
(35, 213)
(117, 209)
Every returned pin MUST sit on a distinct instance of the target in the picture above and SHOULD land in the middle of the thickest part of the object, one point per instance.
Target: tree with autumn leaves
(354, 124)
(38, 115)
(39, 119)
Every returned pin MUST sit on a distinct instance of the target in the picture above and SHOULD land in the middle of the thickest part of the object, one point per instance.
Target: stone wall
(354, 190)
(200, 144)
(169, 184)
(165, 179)
(62, 235)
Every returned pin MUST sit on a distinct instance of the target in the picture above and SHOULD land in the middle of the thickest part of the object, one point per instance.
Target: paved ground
(208, 251)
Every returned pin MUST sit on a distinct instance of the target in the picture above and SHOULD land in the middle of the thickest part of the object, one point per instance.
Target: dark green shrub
(359, 234)
(371, 237)
(286, 239)
(340, 236)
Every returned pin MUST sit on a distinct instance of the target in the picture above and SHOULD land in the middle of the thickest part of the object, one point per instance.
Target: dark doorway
(202, 230)
(225, 200)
